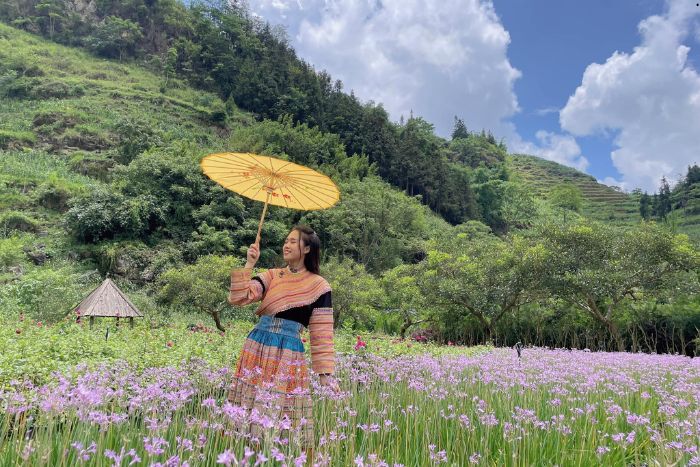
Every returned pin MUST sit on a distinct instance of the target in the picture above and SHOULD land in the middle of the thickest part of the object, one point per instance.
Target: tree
(566, 196)
(405, 298)
(596, 267)
(645, 206)
(693, 176)
(202, 286)
(663, 205)
(484, 277)
(357, 295)
(51, 12)
(518, 207)
(476, 151)
(114, 37)
(374, 224)
(460, 129)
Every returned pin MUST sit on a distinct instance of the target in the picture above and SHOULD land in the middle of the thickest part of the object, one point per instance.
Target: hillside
(63, 99)
(601, 202)
(69, 119)
(125, 144)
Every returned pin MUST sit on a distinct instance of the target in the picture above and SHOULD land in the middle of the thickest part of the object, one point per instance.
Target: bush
(172, 179)
(55, 90)
(44, 294)
(13, 86)
(217, 113)
(53, 195)
(303, 145)
(11, 253)
(83, 137)
(105, 214)
(135, 136)
(94, 166)
(208, 240)
(16, 139)
(55, 121)
(92, 218)
(14, 220)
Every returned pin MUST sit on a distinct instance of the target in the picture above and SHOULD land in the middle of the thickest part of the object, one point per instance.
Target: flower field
(157, 397)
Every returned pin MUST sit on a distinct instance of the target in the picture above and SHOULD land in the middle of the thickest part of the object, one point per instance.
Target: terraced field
(601, 202)
(688, 224)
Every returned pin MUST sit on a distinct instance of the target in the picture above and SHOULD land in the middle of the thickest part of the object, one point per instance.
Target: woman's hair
(313, 257)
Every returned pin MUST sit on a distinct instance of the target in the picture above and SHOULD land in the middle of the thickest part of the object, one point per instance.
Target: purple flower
(155, 446)
(261, 459)
(210, 402)
(84, 454)
(118, 458)
(301, 460)
(227, 458)
(27, 451)
(185, 444)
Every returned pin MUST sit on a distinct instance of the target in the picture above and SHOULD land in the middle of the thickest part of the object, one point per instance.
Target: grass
(34, 351)
(99, 93)
(413, 406)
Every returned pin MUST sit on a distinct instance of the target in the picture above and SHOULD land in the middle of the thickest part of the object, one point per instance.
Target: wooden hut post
(92, 321)
(117, 321)
(131, 322)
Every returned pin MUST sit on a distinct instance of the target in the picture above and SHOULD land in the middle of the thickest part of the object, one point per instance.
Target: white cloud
(613, 182)
(546, 111)
(554, 147)
(650, 98)
(439, 58)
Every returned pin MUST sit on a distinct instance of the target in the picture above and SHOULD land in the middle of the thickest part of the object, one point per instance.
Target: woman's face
(294, 249)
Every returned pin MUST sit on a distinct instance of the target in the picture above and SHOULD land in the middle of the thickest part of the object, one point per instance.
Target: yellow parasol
(271, 180)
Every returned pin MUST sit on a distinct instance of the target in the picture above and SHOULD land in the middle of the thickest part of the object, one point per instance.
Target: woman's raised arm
(245, 290)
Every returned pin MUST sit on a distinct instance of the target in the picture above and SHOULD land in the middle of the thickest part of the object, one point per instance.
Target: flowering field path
(467, 407)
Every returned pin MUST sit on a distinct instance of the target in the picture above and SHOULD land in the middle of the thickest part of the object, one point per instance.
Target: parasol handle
(262, 218)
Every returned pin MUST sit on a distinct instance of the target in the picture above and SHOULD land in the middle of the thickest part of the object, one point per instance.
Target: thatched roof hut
(108, 301)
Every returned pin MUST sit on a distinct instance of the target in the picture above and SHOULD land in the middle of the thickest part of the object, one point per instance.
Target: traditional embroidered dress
(271, 380)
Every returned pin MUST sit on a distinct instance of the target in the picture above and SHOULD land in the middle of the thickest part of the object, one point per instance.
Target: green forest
(107, 107)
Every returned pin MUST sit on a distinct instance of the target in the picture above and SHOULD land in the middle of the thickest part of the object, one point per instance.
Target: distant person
(272, 375)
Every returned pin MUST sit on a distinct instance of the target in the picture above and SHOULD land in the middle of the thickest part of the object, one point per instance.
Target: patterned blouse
(303, 297)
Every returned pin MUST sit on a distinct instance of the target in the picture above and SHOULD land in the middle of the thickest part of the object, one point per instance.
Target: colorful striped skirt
(271, 382)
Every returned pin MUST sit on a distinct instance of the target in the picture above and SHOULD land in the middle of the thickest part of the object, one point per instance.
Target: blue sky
(607, 86)
(552, 43)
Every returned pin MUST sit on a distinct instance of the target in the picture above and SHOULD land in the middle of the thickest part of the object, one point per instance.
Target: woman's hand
(252, 255)
(330, 382)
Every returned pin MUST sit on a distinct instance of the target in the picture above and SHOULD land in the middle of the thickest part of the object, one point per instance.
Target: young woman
(272, 379)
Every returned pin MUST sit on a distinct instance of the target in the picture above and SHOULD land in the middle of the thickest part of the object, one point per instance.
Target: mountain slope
(62, 99)
(601, 202)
